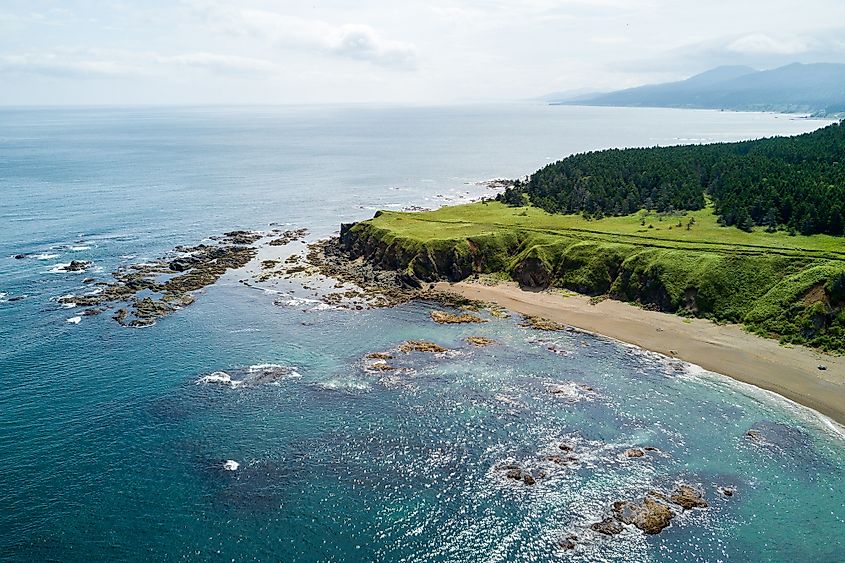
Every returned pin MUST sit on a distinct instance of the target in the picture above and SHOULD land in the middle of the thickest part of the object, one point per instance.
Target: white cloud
(61, 64)
(122, 64)
(219, 63)
(352, 41)
(762, 44)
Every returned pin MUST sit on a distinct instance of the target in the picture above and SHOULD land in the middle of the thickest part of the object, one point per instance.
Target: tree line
(794, 183)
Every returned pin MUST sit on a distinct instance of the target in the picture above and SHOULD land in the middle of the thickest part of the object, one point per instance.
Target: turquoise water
(110, 449)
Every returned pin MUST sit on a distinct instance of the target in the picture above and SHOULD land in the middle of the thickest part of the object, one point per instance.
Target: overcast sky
(398, 51)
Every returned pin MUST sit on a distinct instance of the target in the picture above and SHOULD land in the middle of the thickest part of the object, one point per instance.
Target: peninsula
(718, 235)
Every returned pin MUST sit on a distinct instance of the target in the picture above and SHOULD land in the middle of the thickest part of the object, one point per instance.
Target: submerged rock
(442, 317)
(379, 356)
(649, 515)
(515, 474)
(653, 513)
(480, 341)
(288, 237)
(421, 346)
(635, 452)
(559, 459)
(688, 497)
(255, 375)
(244, 238)
(380, 366)
(568, 543)
(539, 323)
(608, 527)
(76, 266)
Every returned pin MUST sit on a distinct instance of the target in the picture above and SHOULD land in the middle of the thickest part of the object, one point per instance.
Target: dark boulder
(608, 527)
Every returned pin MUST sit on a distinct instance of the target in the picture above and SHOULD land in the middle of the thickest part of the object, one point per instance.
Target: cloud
(762, 44)
(219, 63)
(122, 64)
(65, 65)
(350, 41)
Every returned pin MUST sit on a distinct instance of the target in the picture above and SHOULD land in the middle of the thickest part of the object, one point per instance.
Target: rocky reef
(149, 291)
(442, 317)
(651, 514)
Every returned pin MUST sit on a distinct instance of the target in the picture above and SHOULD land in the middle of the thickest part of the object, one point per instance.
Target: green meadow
(790, 287)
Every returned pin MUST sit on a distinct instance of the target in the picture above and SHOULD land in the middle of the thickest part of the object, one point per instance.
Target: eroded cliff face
(454, 261)
(797, 300)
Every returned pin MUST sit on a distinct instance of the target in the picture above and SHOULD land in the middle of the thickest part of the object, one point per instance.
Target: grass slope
(787, 287)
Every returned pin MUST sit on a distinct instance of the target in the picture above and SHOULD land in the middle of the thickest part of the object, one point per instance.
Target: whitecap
(343, 385)
(62, 269)
(45, 256)
(270, 373)
(74, 320)
(3, 295)
(218, 377)
(79, 248)
(231, 465)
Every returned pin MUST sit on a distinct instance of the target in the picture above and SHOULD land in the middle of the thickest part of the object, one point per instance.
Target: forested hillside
(793, 183)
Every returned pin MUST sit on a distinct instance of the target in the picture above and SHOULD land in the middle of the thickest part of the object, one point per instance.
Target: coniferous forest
(793, 183)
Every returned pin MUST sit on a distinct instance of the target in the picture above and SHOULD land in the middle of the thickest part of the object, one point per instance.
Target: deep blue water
(110, 450)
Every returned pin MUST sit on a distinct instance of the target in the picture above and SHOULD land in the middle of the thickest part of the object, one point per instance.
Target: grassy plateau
(777, 285)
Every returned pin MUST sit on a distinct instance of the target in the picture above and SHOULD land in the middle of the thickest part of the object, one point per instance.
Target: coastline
(791, 372)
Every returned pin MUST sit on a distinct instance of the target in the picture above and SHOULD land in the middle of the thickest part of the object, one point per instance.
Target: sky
(120, 52)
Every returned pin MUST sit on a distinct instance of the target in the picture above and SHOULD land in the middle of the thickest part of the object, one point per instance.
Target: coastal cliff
(795, 297)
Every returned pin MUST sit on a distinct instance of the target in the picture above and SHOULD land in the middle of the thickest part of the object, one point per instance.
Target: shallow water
(114, 447)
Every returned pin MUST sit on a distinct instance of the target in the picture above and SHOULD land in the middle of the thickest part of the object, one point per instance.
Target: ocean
(115, 447)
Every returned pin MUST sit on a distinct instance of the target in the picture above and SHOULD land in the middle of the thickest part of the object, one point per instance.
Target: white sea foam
(220, 378)
(507, 400)
(79, 248)
(3, 295)
(231, 465)
(696, 373)
(344, 385)
(45, 256)
(306, 304)
(572, 391)
(74, 320)
(62, 269)
(257, 374)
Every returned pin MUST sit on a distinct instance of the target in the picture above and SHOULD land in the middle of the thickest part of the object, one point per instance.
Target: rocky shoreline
(140, 294)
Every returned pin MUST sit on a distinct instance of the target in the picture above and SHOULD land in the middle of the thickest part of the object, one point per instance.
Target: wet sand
(791, 372)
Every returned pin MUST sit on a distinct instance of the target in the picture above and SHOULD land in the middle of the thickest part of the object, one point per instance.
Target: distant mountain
(806, 88)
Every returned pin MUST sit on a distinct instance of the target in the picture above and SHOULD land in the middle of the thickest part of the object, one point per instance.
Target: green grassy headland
(790, 287)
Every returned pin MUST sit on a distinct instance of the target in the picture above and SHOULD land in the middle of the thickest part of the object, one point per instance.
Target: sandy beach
(792, 372)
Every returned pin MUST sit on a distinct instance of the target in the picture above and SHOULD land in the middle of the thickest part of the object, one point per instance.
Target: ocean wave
(343, 385)
(697, 374)
(571, 391)
(79, 248)
(62, 268)
(251, 376)
(306, 304)
(45, 256)
(218, 377)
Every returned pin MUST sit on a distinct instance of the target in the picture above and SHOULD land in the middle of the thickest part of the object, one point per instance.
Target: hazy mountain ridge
(799, 88)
